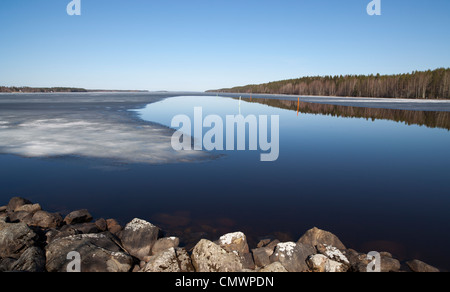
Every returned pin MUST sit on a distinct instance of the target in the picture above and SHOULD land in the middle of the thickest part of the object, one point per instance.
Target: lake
(377, 178)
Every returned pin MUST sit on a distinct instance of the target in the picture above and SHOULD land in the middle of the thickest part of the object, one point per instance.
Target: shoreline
(437, 105)
(331, 96)
(365, 102)
(33, 240)
(28, 89)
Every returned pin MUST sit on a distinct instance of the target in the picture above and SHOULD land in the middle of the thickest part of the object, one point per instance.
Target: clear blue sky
(200, 44)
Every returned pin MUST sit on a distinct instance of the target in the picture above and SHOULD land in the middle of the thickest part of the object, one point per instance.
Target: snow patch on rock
(138, 224)
(231, 237)
(335, 254)
(333, 267)
(286, 248)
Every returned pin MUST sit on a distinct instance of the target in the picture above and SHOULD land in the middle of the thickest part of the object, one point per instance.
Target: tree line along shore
(431, 84)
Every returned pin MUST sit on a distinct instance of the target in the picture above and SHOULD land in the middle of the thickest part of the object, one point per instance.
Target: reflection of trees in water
(422, 118)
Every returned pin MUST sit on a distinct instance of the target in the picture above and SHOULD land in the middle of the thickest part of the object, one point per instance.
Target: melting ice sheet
(102, 132)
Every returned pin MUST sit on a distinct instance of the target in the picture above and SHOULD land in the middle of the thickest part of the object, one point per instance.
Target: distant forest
(419, 84)
(40, 89)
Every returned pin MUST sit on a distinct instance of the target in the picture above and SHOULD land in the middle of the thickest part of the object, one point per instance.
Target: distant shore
(12, 89)
(438, 105)
(147, 97)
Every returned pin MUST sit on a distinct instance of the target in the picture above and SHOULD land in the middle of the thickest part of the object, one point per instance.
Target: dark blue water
(379, 185)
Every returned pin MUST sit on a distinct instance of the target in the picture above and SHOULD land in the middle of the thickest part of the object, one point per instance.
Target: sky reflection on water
(376, 184)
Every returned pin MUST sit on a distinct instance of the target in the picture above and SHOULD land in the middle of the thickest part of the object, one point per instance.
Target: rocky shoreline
(33, 240)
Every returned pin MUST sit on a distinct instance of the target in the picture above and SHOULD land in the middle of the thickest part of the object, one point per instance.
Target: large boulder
(84, 228)
(6, 264)
(421, 267)
(16, 202)
(169, 260)
(184, 260)
(98, 253)
(248, 263)
(101, 224)
(46, 220)
(210, 257)
(53, 234)
(317, 236)
(113, 226)
(164, 261)
(21, 216)
(30, 208)
(15, 238)
(293, 256)
(32, 260)
(317, 263)
(234, 242)
(360, 262)
(166, 243)
(77, 217)
(321, 264)
(262, 256)
(333, 253)
(275, 267)
(263, 242)
(138, 238)
(237, 243)
(389, 264)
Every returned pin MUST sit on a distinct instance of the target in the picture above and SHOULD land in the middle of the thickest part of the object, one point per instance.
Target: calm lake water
(379, 179)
